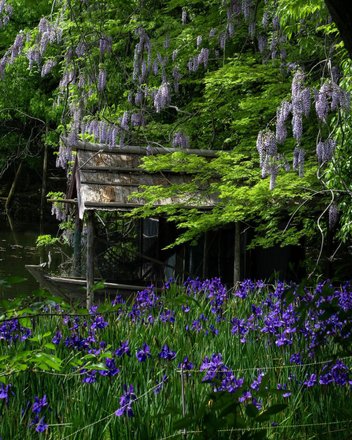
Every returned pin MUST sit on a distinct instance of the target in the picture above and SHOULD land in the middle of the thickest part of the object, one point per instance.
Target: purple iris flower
(4, 392)
(339, 372)
(185, 308)
(256, 383)
(215, 362)
(311, 381)
(296, 358)
(212, 366)
(256, 310)
(246, 287)
(39, 404)
(126, 400)
(245, 396)
(41, 426)
(150, 319)
(166, 353)
(160, 385)
(284, 388)
(93, 310)
(168, 283)
(124, 349)
(12, 331)
(112, 370)
(185, 364)
(99, 322)
(229, 382)
(167, 316)
(197, 326)
(212, 330)
(57, 337)
(257, 403)
(118, 300)
(90, 376)
(143, 353)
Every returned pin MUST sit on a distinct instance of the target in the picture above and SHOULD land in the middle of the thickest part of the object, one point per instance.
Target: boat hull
(73, 290)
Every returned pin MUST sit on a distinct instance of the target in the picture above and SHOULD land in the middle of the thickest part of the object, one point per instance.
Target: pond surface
(17, 248)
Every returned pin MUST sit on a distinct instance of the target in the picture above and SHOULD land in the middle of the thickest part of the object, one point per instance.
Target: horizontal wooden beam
(132, 170)
(100, 183)
(122, 206)
(115, 205)
(113, 170)
(68, 201)
(143, 151)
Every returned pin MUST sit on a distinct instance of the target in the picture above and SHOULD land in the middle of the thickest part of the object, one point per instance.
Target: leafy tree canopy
(266, 83)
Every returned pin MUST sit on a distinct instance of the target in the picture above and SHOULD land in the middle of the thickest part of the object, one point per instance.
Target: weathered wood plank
(139, 150)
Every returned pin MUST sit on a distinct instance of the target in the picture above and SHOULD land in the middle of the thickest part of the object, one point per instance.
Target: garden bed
(197, 361)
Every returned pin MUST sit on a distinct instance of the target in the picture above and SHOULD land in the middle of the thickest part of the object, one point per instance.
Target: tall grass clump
(194, 361)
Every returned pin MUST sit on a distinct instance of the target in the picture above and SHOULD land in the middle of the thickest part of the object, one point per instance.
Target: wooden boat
(74, 289)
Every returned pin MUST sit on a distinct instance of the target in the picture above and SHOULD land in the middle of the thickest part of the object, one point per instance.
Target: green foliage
(44, 241)
(220, 106)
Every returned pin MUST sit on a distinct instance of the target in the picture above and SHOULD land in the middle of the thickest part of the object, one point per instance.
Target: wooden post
(90, 258)
(183, 256)
(244, 259)
(191, 262)
(205, 256)
(220, 254)
(12, 189)
(237, 255)
(43, 194)
(77, 247)
(43, 199)
(141, 246)
(10, 221)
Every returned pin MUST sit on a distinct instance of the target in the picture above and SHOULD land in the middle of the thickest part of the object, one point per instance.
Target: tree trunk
(341, 13)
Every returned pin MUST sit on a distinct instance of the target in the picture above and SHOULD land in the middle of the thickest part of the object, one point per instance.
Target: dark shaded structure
(134, 252)
(341, 13)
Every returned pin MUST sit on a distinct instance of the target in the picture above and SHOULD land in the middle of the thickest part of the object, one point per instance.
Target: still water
(17, 248)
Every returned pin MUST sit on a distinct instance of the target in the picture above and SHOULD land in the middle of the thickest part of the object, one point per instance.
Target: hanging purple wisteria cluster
(102, 131)
(58, 210)
(13, 52)
(48, 33)
(142, 57)
(48, 66)
(105, 45)
(325, 150)
(268, 155)
(64, 156)
(143, 65)
(6, 12)
(180, 140)
(329, 98)
(162, 97)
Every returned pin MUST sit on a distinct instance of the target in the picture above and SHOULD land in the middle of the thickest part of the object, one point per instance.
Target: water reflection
(17, 248)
